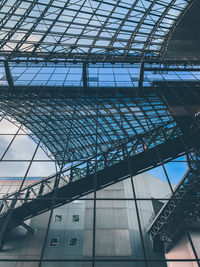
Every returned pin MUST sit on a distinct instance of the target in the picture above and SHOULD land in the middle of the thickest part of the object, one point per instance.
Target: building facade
(120, 232)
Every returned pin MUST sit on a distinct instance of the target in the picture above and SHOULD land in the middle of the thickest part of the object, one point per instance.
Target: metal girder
(139, 154)
(84, 75)
(93, 36)
(174, 62)
(113, 104)
(141, 78)
(183, 101)
(8, 74)
(90, 75)
(27, 227)
(181, 211)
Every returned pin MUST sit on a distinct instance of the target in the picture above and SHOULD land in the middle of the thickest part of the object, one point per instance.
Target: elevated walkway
(136, 155)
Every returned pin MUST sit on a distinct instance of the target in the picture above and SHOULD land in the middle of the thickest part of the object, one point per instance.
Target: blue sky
(175, 170)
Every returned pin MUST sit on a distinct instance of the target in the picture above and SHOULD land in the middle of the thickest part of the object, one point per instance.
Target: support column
(140, 79)
(84, 76)
(8, 74)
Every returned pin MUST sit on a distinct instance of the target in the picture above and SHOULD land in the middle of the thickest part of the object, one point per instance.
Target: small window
(58, 218)
(73, 241)
(75, 218)
(54, 242)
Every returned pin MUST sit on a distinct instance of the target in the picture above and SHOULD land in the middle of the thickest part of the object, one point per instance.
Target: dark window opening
(75, 218)
(58, 218)
(54, 242)
(73, 241)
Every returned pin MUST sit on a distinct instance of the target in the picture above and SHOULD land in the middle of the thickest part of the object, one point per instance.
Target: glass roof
(65, 121)
(87, 29)
(98, 75)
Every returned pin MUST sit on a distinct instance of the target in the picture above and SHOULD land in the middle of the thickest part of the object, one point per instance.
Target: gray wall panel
(112, 218)
(87, 243)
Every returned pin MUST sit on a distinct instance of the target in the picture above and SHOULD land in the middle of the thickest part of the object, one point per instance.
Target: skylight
(86, 29)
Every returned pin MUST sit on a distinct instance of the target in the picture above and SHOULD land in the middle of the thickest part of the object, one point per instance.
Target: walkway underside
(181, 212)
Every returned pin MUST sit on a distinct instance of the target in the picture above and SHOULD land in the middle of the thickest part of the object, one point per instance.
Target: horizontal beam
(107, 91)
(151, 60)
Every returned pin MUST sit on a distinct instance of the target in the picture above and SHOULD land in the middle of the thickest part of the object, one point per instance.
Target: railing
(122, 151)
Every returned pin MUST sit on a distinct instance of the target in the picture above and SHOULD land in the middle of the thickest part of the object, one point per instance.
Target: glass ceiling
(98, 75)
(87, 29)
(60, 33)
(65, 121)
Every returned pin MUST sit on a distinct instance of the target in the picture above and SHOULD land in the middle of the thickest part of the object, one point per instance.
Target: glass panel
(183, 250)
(75, 236)
(72, 29)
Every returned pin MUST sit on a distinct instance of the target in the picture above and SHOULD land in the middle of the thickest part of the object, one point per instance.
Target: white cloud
(22, 148)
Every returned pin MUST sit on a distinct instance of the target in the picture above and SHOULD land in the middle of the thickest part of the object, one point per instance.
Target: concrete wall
(117, 233)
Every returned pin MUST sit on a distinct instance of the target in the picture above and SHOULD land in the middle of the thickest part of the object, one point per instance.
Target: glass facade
(99, 135)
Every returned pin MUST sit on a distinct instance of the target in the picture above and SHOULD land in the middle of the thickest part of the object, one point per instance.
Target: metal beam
(84, 76)
(140, 79)
(176, 62)
(8, 74)
(181, 211)
(27, 227)
(110, 171)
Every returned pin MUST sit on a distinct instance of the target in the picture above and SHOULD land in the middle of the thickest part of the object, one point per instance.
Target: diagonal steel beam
(8, 74)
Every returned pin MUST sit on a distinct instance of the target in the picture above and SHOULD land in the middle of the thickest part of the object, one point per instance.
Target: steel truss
(32, 69)
(63, 119)
(132, 156)
(88, 29)
(147, 135)
(113, 133)
(182, 210)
